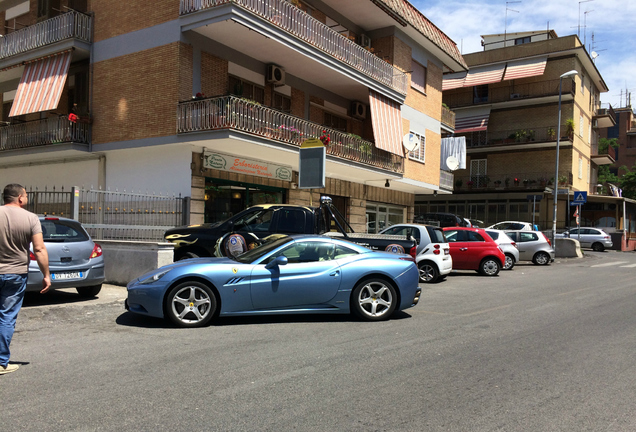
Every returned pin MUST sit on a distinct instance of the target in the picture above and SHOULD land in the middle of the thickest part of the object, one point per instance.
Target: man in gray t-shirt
(18, 229)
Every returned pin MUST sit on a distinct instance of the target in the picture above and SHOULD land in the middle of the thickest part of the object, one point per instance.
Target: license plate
(67, 275)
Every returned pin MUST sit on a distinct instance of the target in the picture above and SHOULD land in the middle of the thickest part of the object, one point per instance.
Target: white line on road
(629, 266)
(609, 264)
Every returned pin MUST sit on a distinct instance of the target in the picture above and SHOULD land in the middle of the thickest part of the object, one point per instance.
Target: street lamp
(556, 171)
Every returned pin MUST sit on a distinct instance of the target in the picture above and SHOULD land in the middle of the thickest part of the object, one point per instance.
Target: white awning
(386, 118)
(525, 68)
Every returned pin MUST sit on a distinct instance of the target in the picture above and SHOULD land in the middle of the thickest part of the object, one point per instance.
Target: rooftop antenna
(582, 1)
(585, 26)
(506, 19)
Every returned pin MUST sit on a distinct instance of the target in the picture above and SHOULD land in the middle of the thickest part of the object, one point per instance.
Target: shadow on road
(54, 297)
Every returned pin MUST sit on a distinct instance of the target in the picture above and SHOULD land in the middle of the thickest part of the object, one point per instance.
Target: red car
(473, 249)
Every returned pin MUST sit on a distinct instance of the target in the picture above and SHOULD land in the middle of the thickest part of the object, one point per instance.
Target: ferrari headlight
(154, 278)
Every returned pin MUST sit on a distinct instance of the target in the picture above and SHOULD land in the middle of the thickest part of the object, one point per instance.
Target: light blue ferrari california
(287, 275)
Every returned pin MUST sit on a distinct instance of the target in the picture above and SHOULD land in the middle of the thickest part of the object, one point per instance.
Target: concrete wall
(568, 248)
(125, 260)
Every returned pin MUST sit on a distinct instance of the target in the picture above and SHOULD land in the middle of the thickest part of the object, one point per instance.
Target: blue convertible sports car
(288, 275)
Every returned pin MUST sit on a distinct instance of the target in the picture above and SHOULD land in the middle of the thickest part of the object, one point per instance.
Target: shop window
(246, 90)
(381, 216)
(335, 122)
(419, 153)
(224, 198)
(418, 76)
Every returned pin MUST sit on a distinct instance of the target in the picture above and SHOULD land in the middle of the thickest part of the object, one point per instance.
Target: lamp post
(556, 171)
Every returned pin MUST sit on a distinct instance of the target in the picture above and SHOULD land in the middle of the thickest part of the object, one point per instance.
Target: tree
(606, 176)
(605, 143)
(628, 182)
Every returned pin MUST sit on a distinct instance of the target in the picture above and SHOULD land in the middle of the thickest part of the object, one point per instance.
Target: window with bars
(246, 89)
(478, 172)
(335, 122)
(419, 154)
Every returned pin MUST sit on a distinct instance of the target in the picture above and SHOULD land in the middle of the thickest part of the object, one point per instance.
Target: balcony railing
(38, 133)
(71, 25)
(229, 112)
(513, 92)
(298, 23)
(510, 182)
(448, 117)
(514, 136)
(446, 180)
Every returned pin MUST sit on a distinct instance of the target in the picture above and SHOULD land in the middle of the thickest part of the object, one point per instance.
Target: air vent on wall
(275, 74)
(359, 110)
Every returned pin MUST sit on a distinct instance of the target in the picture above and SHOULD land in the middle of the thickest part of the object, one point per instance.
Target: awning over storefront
(453, 81)
(525, 68)
(472, 120)
(41, 85)
(386, 118)
(485, 75)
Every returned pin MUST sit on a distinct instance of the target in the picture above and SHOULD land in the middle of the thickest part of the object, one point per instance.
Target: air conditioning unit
(359, 110)
(515, 96)
(364, 40)
(275, 74)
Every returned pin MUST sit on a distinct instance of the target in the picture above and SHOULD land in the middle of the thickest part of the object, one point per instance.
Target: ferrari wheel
(190, 304)
(374, 299)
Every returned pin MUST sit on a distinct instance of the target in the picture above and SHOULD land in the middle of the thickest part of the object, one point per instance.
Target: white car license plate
(67, 275)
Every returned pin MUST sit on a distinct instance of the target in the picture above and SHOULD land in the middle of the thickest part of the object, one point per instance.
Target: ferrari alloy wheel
(190, 304)
(374, 299)
(428, 272)
(510, 262)
(489, 267)
(541, 258)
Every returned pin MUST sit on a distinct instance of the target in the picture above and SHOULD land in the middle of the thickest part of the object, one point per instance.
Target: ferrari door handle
(336, 273)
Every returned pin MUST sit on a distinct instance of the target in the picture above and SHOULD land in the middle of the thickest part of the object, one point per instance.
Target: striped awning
(386, 118)
(525, 68)
(472, 121)
(485, 75)
(41, 85)
(453, 81)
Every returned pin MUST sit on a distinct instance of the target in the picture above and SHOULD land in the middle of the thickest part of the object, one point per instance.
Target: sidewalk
(68, 297)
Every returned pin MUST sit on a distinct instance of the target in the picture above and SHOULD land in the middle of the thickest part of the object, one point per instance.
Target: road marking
(629, 266)
(609, 264)
(485, 311)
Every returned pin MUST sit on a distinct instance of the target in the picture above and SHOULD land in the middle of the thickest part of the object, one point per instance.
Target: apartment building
(625, 133)
(212, 99)
(507, 109)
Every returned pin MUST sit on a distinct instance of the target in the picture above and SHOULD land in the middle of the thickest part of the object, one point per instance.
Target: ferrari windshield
(256, 253)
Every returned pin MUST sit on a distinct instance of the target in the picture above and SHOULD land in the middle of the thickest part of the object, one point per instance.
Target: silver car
(533, 246)
(75, 261)
(507, 245)
(594, 238)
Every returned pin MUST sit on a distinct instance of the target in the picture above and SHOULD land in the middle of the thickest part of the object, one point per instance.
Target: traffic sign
(534, 197)
(580, 197)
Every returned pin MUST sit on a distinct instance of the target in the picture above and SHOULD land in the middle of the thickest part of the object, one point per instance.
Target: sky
(608, 28)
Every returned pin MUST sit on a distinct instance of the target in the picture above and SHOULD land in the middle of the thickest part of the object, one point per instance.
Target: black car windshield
(62, 231)
(258, 252)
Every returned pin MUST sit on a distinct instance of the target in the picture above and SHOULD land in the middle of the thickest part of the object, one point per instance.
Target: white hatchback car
(507, 245)
(512, 225)
(594, 238)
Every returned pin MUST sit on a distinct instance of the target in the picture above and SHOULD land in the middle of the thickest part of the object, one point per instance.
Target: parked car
(433, 252)
(289, 275)
(513, 225)
(440, 219)
(533, 246)
(476, 223)
(75, 261)
(507, 245)
(474, 249)
(594, 238)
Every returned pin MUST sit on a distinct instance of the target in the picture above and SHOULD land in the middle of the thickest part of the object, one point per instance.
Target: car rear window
(62, 231)
(436, 234)
(493, 234)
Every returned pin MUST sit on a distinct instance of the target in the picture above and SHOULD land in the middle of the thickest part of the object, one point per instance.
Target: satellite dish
(410, 142)
(452, 163)
(593, 54)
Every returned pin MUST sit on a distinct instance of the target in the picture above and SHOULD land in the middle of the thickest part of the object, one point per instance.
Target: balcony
(515, 138)
(448, 117)
(305, 31)
(229, 112)
(517, 93)
(604, 118)
(521, 181)
(39, 133)
(71, 25)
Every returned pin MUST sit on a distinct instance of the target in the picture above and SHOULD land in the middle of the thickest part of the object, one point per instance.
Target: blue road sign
(579, 197)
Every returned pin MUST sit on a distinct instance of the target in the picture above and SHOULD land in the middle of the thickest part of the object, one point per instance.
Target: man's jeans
(12, 287)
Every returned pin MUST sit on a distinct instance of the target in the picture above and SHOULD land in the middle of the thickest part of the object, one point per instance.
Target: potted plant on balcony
(551, 133)
(497, 183)
(516, 180)
(470, 184)
(526, 182)
(507, 181)
(543, 181)
(563, 180)
(569, 124)
(458, 183)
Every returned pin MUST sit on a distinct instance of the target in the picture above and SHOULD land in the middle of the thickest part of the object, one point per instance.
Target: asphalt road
(535, 349)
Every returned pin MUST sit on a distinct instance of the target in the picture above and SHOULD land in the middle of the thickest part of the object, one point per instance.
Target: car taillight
(413, 252)
(606, 237)
(97, 251)
(437, 251)
(407, 258)
(546, 239)
(515, 245)
(51, 218)
(31, 256)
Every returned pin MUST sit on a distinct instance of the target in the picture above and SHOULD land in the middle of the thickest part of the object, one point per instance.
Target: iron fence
(47, 131)
(54, 202)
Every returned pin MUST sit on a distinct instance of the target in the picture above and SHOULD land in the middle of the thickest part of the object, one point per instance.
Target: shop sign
(240, 165)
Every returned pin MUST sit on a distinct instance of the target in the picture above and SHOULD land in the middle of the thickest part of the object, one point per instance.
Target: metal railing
(43, 132)
(71, 25)
(448, 117)
(513, 92)
(229, 112)
(514, 136)
(517, 181)
(54, 202)
(298, 23)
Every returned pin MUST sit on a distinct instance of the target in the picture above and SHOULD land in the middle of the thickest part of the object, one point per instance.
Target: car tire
(541, 258)
(510, 262)
(598, 247)
(428, 272)
(190, 304)
(89, 291)
(489, 267)
(374, 299)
